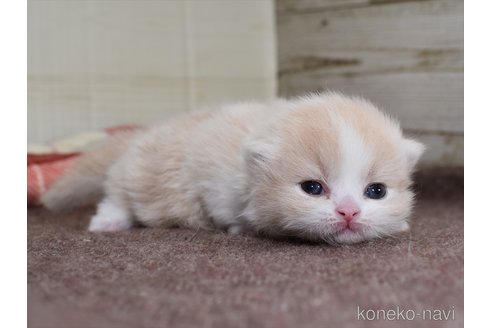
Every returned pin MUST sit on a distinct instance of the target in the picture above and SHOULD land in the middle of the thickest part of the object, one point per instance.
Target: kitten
(323, 167)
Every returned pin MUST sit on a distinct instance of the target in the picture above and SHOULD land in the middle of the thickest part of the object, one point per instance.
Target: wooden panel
(296, 6)
(232, 51)
(304, 6)
(93, 64)
(407, 57)
(442, 148)
(420, 101)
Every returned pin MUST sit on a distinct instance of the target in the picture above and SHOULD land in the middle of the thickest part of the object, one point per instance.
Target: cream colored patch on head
(378, 134)
(308, 143)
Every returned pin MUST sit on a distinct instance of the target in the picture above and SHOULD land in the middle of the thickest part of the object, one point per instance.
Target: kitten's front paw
(101, 223)
(110, 217)
(235, 230)
(404, 226)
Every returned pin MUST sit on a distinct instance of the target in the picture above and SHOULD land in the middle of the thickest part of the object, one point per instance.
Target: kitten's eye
(375, 191)
(312, 187)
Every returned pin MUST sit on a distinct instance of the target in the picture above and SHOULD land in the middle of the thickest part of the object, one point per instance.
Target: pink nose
(348, 209)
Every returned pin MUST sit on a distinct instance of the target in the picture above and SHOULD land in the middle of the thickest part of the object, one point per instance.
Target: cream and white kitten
(323, 167)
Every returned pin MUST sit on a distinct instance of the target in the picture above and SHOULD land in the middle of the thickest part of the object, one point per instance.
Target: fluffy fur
(240, 168)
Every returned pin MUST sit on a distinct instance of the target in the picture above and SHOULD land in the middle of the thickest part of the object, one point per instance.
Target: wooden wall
(92, 64)
(406, 56)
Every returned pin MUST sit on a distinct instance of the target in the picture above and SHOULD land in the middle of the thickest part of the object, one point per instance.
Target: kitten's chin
(351, 233)
(348, 236)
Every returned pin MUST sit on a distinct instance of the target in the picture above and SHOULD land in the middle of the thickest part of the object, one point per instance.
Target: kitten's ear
(258, 152)
(414, 151)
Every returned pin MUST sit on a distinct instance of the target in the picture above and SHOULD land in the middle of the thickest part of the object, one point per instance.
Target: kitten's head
(331, 168)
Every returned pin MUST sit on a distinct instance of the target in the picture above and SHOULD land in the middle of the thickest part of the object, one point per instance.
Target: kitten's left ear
(414, 151)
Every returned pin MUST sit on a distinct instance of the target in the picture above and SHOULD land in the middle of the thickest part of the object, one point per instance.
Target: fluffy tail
(83, 183)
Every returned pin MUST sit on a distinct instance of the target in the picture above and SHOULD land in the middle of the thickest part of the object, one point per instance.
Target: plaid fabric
(43, 169)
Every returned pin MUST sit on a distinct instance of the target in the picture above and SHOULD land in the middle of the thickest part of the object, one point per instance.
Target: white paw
(110, 217)
(404, 226)
(100, 223)
(235, 230)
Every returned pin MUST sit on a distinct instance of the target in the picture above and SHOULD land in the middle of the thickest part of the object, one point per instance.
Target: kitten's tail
(83, 183)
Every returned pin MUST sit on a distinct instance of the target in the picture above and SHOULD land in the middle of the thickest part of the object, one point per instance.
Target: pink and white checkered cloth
(45, 167)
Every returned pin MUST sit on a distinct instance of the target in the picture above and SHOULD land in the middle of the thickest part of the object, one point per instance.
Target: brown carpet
(176, 278)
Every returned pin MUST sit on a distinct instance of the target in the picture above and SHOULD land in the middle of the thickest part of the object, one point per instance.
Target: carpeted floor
(176, 278)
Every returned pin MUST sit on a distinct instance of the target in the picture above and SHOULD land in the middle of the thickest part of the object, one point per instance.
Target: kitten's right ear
(258, 152)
